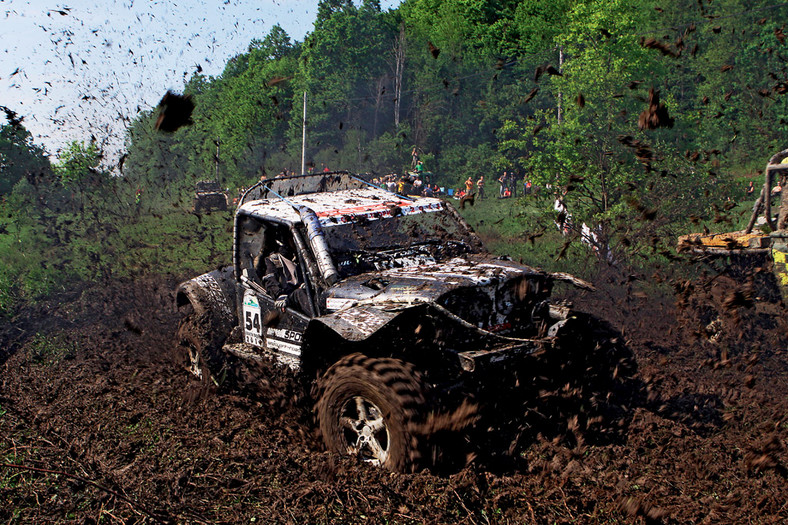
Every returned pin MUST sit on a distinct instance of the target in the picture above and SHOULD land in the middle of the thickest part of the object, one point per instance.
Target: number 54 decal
(253, 328)
(253, 321)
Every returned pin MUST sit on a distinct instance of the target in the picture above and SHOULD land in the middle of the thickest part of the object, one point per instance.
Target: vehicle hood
(481, 289)
(398, 288)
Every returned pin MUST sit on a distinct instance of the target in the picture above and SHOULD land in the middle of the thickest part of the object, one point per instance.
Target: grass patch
(523, 229)
(176, 243)
(50, 350)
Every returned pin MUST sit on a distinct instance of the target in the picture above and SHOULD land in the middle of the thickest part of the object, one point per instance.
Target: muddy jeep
(388, 302)
(209, 196)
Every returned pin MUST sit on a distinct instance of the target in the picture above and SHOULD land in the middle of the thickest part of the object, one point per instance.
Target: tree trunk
(381, 84)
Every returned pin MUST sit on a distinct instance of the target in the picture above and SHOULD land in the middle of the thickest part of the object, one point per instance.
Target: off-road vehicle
(387, 302)
(209, 196)
(764, 247)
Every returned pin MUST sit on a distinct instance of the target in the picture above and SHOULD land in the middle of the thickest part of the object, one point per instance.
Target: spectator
(777, 191)
(402, 185)
(469, 186)
(564, 219)
(503, 181)
(480, 187)
(391, 185)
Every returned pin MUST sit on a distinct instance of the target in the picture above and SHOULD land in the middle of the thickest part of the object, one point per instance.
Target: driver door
(268, 329)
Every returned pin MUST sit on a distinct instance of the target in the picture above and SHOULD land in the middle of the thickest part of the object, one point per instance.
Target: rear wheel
(373, 409)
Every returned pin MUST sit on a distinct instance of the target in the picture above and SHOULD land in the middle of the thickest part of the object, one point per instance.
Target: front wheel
(198, 348)
(373, 408)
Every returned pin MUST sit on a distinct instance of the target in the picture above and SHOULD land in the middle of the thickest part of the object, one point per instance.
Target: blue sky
(83, 68)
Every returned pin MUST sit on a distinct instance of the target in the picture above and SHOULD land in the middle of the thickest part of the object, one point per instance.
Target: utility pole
(303, 139)
(216, 164)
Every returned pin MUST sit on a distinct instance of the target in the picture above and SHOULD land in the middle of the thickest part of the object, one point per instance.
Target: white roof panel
(341, 207)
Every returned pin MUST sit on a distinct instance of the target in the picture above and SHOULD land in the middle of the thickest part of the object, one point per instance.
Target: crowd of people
(507, 186)
(414, 183)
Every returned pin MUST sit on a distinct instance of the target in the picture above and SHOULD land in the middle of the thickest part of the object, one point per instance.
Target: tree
(275, 46)
(86, 187)
(342, 67)
(77, 163)
(478, 85)
(595, 153)
(19, 157)
(741, 86)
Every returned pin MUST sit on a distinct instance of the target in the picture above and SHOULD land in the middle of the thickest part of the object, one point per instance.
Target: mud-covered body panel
(479, 286)
(427, 283)
(461, 314)
(213, 293)
(343, 207)
(357, 323)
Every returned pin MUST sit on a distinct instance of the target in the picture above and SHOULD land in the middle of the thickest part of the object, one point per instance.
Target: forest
(649, 119)
(646, 120)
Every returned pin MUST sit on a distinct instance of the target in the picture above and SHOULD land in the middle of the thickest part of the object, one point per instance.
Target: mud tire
(199, 350)
(608, 361)
(596, 378)
(373, 408)
(593, 356)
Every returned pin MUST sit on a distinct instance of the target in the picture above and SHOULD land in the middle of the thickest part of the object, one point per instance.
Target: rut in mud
(99, 422)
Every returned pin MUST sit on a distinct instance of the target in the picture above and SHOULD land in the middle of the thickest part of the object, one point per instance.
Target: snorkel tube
(319, 245)
(316, 239)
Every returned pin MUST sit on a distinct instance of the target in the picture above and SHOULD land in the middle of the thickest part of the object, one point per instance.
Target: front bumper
(514, 348)
(474, 360)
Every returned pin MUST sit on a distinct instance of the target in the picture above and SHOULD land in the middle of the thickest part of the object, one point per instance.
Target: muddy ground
(98, 423)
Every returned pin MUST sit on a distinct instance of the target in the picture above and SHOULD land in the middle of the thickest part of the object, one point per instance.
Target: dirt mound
(99, 422)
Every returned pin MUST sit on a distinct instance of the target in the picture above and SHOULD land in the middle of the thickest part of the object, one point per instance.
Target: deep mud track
(98, 423)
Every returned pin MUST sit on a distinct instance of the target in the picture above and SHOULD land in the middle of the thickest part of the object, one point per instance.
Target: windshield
(396, 242)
